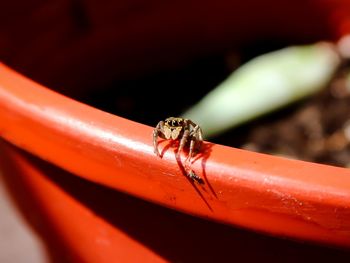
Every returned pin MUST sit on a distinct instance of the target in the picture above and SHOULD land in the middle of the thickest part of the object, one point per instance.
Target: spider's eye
(174, 123)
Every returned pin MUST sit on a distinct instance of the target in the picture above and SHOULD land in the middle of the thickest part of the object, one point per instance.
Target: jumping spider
(180, 129)
(184, 130)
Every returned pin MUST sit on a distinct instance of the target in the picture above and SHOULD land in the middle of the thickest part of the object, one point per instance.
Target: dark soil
(317, 129)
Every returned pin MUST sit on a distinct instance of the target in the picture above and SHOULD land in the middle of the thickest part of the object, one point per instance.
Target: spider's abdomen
(172, 132)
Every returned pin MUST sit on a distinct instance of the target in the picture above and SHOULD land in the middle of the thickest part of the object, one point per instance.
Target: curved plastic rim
(265, 193)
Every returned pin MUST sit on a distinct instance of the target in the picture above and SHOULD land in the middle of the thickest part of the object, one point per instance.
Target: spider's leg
(197, 134)
(199, 137)
(192, 123)
(155, 142)
(192, 145)
(196, 141)
(158, 129)
(183, 141)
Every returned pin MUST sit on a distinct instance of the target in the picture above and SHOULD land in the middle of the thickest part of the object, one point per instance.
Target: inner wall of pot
(152, 59)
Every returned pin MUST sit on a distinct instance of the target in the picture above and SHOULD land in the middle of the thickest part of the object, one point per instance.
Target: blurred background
(114, 54)
(147, 60)
(18, 241)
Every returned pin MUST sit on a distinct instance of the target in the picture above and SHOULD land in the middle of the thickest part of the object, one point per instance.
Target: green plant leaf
(264, 84)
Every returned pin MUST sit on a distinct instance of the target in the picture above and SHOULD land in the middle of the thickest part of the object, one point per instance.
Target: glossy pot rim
(291, 198)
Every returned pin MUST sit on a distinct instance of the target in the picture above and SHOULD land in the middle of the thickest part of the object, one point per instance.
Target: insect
(195, 177)
(184, 130)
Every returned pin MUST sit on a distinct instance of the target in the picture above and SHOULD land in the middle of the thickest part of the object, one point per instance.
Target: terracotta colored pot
(67, 164)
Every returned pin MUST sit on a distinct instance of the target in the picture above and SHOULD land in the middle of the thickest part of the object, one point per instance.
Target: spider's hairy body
(173, 128)
(184, 130)
(176, 128)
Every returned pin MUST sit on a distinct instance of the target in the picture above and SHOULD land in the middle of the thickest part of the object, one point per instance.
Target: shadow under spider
(203, 154)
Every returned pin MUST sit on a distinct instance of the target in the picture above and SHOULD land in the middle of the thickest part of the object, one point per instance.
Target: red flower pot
(72, 167)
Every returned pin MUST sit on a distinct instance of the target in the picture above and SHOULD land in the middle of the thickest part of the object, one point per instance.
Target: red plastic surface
(86, 222)
(71, 214)
(290, 198)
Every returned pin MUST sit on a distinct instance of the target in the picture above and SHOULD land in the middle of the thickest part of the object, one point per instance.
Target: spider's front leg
(158, 129)
(199, 137)
(183, 141)
(196, 141)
